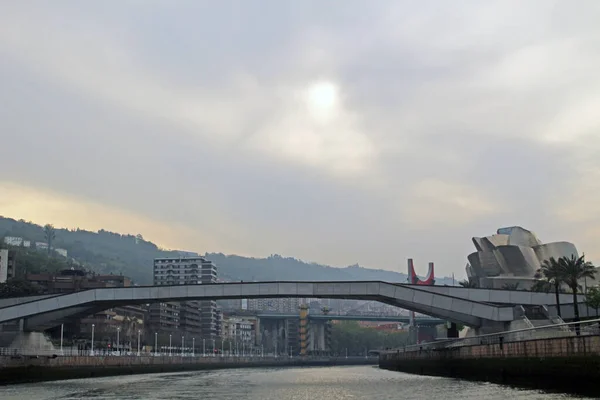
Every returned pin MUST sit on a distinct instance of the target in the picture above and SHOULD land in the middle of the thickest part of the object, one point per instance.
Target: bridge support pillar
(412, 334)
(452, 330)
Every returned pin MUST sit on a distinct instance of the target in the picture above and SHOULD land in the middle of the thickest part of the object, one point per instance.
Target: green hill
(108, 252)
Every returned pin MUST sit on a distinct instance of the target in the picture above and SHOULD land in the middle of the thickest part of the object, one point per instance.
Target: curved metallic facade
(512, 253)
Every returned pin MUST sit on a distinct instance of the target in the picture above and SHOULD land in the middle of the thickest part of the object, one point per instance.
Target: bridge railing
(560, 330)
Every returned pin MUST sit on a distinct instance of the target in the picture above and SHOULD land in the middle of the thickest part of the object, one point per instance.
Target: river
(331, 383)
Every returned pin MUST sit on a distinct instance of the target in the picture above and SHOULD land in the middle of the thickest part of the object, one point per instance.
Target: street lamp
(193, 347)
(156, 343)
(170, 337)
(213, 352)
(92, 351)
(62, 329)
(203, 347)
(139, 339)
(118, 332)
(182, 343)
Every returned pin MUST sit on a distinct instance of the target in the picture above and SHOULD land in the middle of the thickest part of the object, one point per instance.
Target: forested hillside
(132, 256)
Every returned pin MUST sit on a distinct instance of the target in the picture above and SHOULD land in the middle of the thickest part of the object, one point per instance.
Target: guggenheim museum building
(513, 256)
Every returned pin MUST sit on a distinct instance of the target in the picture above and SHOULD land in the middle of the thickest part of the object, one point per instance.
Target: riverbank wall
(569, 364)
(15, 370)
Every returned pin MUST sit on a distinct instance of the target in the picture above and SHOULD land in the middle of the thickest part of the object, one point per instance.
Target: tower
(304, 334)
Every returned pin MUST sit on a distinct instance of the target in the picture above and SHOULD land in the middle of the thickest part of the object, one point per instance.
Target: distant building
(13, 240)
(61, 252)
(128, 319)
(41, 245)
(7, 265)
(240, 331)
(194, 317)
(219, 322)
(72, 280)
(283, 305)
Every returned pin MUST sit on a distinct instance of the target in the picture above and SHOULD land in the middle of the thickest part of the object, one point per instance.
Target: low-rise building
(240, 330)
(13, 240)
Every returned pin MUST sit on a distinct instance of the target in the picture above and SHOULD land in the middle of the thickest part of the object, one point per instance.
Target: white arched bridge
(472, 307)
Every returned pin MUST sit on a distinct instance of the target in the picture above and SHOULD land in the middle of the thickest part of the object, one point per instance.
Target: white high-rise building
(199, 317)
(7, 265)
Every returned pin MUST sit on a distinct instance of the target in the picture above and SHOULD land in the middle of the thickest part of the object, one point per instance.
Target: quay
(565, 358)
(28, 369)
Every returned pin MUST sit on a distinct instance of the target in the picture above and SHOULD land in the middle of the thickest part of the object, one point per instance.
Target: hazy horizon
(340, 132)
(420, 269)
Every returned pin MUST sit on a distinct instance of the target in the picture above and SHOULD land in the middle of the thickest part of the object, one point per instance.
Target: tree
(542, 286)
(16, 287)
(510, 286)
(351, 337)
(574, 270)
(49, 235)
(552, 270)
(468, 283)
(592, 298)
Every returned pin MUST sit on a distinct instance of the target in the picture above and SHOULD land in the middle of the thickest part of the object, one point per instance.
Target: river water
(323, 383)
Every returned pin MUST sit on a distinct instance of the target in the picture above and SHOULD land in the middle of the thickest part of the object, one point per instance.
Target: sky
(338, 132)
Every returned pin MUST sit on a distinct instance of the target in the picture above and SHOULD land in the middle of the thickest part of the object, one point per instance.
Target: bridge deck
(45, 312)
(334, 317)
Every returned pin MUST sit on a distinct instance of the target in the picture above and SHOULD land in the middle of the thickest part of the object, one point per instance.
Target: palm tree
(575, 269)
(553, 272)
(49, 234)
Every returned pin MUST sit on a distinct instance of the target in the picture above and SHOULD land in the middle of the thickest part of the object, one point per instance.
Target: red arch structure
(414, 279)
(420, 335)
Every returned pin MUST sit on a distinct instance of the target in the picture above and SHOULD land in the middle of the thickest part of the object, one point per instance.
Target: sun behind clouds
(322, 99)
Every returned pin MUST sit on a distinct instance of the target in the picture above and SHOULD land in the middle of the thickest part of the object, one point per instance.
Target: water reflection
(334, 383)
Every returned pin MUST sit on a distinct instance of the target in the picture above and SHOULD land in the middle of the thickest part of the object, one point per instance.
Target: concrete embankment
(570, 364)
(23, 370)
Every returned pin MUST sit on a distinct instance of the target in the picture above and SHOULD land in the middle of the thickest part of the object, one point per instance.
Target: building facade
(7, 265)
(283, 305)
(512, 258)
(196, 318)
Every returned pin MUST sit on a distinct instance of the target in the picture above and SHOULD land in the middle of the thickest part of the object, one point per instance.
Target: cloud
(432, 122)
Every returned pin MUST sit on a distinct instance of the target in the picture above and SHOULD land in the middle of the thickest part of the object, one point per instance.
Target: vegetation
(468, 283)
(542, 286)
(16, 287)
(108, 252)
(569, 271)
(49, 235)
(511, 286)
(592, 298)
(575, 269)
(552, 271)
(356, 339)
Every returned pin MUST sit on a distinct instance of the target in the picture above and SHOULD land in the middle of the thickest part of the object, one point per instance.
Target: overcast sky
(332, 131)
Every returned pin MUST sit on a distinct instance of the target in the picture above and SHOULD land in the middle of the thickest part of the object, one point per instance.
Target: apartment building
(7, 265)
(193, 317)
